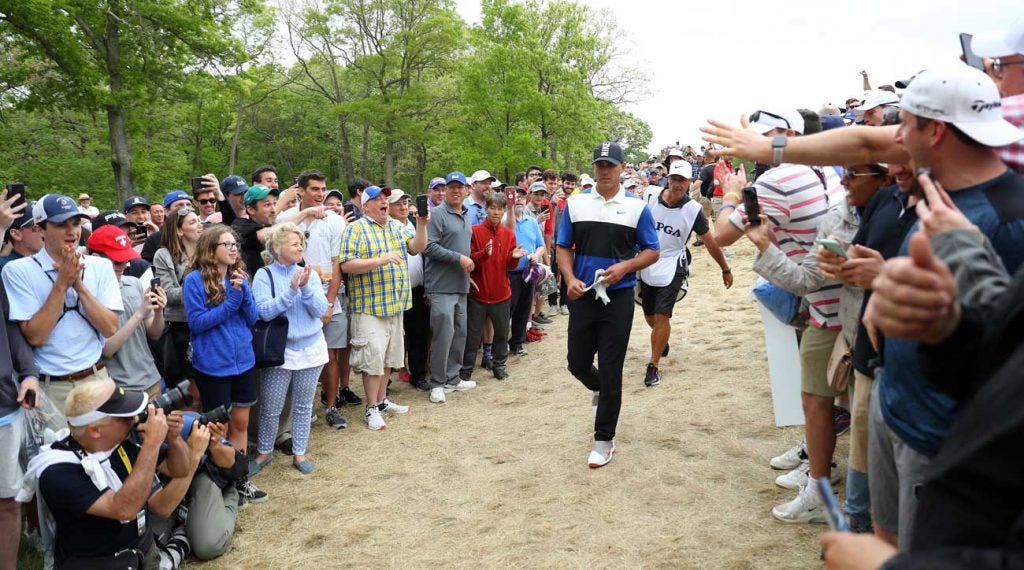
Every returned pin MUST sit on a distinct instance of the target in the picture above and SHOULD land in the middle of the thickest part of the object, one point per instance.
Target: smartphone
(197, 183)
(30, 398)
(16, 189)
(421, 205)
(835, 247)
(154, 283)
(970, 58)
(136, 233)
(510, 193)
(751, 205)
(836, 518)
(545, 209)
(349, 208)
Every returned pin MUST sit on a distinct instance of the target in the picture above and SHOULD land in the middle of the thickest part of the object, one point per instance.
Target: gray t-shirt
(132, 367)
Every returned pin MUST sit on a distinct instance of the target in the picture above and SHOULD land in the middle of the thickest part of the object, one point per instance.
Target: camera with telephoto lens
(218, 415)
(175, 398)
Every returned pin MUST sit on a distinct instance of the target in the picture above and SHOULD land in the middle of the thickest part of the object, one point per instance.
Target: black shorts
(661, 300)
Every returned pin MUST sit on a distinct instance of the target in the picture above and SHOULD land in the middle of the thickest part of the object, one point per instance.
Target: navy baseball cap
(56, 208)
(234, 184)
(609, 152)
(456, 177)
(133, 202)
(175, 195)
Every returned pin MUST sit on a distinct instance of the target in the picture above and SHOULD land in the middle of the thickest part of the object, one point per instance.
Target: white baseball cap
(681, 168)
(878, 98)
(674, 152)
(586, 180)
(965, 97)
(768, 119)
(396, 195)
(480, 176)
(1007, 41)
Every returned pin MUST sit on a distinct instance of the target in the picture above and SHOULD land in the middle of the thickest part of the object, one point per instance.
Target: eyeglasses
(231, 245)
(757, 115)
(207, 201)
(998, 66)
(851, 174)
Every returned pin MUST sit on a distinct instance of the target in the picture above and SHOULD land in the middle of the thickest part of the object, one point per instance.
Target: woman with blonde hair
(283, 287)
(171, 262)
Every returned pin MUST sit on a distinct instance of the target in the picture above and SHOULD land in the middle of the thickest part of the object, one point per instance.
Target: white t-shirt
(323, 242)
(673, 226)
(414, 262)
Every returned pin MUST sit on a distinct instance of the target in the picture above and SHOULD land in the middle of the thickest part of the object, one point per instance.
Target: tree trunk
(344, 149)
(365, 159)
(233, 153)
(198, 139)
(389, 160)
(120, 152)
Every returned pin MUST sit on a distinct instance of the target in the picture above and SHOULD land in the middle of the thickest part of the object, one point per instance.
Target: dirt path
(497, 477)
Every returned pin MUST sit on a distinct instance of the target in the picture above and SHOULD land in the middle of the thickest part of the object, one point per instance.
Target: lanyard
(124, 459)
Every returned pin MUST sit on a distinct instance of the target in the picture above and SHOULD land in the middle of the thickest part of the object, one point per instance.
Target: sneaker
(346, 397)
(805, 508)
(462, 386)
(374, 420)
(335, 420)
(533, 336)
(653, 376)
(593, 402)
(518, 351)
(500, 373)
(697, 243)
(420, 384)
(840, 420)
(792, 458)
(437, 395)
(541, 319)
(285, 447)
(797, 478)
(486, 363)
(563, 310)
(552, 311)
(392, 408)
(602, 454)
(248, 492)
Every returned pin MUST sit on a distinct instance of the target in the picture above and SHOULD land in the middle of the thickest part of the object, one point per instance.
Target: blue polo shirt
(605, 232)
(528, 237)
(74, 344)
(918, 414)
(477, 212)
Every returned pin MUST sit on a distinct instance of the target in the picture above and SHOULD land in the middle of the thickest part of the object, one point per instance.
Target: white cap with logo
(1007, 41)
(681, 168)
(766, 120)
(480, 176)
(965, 97)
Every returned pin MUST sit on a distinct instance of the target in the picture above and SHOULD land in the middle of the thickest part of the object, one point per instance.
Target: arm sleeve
(108, 292)
(700, 224)
(797, 278)
(247, 306)
(646, 235)
(476, 248)
(151, 246)
(21, 353)
(565, 238)
(227, 213)
(67, 486)
(313, 297)
(268, 306)
(202, 318)
(351, 244)
(957, 558)
(163, 269)
(20, 292)
(511, 263)
(289, 215)
(434, 250)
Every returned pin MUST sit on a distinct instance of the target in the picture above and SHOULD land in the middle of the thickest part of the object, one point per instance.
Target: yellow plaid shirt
(384, 291)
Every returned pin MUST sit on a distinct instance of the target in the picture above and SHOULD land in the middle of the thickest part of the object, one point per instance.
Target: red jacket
(490, 273)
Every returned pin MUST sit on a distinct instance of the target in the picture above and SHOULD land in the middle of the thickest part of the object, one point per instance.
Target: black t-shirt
(151, 245)
(883, 229)
(69, 493)
(251, 246)
(707, 180)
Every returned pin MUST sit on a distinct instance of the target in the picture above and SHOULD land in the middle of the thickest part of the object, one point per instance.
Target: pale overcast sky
(727, 57)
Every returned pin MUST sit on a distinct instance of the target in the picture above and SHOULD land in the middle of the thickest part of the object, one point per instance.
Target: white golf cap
(674, 152)
(1007, 41)
(586, 180)
(768, 119)
(965, 97)
(878, 98)
(396, 195)
(480, 176)
(681, 168)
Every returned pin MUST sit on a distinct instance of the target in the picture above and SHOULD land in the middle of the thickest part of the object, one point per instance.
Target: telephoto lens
(218, 415)
(175, 398)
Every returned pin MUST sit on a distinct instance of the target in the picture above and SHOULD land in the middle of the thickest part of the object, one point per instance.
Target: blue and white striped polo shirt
(605, 232)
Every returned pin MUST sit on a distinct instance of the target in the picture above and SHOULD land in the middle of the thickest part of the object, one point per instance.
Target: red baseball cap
(112, 242)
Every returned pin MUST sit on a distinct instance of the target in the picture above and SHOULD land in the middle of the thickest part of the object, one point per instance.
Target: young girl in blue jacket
(221, 312)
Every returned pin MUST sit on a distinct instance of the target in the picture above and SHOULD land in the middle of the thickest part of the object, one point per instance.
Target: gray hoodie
(448, 236)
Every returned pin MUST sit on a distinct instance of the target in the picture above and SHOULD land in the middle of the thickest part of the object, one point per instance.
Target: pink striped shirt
(796, 201)
(1013, 154)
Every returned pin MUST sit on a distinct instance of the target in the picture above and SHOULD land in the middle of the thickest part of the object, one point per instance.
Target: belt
(76, 375)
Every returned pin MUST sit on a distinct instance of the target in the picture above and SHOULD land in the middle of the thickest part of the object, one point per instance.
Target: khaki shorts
(10, 466)
(57, 391)
(377, 343)
(815, 349)
(859, 421)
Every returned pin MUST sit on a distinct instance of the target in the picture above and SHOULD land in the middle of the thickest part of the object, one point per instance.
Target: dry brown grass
(497, 477)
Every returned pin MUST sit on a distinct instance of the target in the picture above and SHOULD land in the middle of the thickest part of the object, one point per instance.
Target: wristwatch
(778, 143)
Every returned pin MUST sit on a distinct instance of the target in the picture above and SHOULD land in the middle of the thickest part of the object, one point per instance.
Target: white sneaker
(563, 309)
(552, 311)
(437, 395)
(374, 420)
(792, 458)
(805, 508)
(593, 402)
(392, 408)
(462, 386)
(797, 478)
(601, 454)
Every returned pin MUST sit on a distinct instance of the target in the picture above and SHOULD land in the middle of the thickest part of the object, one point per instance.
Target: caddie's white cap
(877, 98)
(674, 152)
(768, 119)
(965, 97)
(1006, 41)
(681, 168)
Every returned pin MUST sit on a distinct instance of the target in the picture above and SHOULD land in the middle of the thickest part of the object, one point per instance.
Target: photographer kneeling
(97, 481)
(198, 511)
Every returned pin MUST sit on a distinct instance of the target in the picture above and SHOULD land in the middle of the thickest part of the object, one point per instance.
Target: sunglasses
(207, 201)
(757, 115)
(851, 174)
(999, 66)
